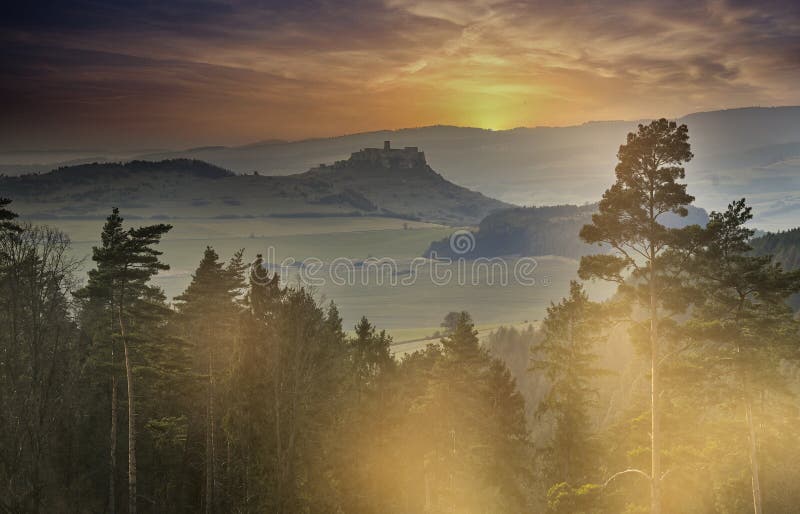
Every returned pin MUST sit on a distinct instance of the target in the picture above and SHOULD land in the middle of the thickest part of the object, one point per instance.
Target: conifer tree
(364, 441)
(119, 287)
(7, 217)
(629, 225)
(566, 355)
(371, 353)
(208, 313)
(287, 389)
(744, 313)
(474, 429)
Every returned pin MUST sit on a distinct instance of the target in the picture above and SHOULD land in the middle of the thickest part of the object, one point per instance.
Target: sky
(160, 74)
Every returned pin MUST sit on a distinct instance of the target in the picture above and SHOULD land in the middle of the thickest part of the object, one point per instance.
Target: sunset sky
(153, 74)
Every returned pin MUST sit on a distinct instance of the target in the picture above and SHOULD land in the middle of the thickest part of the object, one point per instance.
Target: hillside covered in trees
(784, 246)
(679, 394)
(546, 230)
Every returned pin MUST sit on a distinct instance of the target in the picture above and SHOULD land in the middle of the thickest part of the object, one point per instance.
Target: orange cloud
(166, 74)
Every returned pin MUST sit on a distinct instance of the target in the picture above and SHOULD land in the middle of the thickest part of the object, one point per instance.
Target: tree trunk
(112, 500)
(131, 412)
(655, 436)
(753, 443)
(210, 441)
(112, 476)
(131, 434)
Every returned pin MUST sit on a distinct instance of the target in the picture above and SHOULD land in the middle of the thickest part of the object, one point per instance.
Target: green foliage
(743, 336)
(476, 449)
(784, 246)
(566, 356)
(645, 255)
(565, 499)
(123, 311)
(785, 249)
(286, 386)
(6, 217)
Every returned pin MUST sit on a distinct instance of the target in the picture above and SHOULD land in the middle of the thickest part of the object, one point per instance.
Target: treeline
(676, 395)
(701, 418)
(244, 396)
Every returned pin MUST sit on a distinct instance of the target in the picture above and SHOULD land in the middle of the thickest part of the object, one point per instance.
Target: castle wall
(388, 157)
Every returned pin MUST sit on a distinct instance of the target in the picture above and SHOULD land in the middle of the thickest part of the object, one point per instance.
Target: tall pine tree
(119, 291)
(744, 314)
(629, 223)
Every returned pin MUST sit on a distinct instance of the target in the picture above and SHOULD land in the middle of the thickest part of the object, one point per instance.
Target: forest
(244, 394)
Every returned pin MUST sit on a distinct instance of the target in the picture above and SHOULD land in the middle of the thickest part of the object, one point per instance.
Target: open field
(203, 228)
(409, 312)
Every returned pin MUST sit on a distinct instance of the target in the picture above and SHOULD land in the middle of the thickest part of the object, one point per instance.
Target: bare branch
(630, 470)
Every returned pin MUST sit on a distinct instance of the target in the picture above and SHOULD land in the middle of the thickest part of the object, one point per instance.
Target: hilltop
(374, 181)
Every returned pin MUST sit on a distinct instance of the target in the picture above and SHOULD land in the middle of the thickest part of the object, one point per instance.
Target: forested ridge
(784, 246)
(545, 230)
(677, 395)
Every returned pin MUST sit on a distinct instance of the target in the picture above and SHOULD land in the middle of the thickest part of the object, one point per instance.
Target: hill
(393, 187)
(784, 246)
(751, 152)
(536, 231)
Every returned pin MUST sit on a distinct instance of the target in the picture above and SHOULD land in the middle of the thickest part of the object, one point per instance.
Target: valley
(416, 310)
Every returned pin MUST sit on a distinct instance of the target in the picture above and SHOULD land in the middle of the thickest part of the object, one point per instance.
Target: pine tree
(363, 443)
(207, 315)
(474, 429)
(287, 392)
(566, 355)
(745, 315)
(7, 223)
(628, 223)
(119, 288)
(371, 354)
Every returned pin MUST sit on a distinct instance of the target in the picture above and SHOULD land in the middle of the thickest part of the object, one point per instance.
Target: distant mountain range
(751, 152)
(387, 182)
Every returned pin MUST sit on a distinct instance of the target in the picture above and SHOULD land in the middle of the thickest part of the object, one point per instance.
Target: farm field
(415, 310)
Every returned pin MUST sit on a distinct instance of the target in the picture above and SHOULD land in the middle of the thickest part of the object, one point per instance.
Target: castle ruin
(388, 157)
